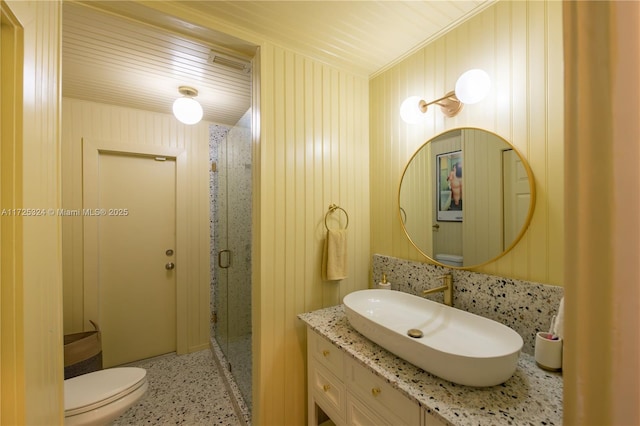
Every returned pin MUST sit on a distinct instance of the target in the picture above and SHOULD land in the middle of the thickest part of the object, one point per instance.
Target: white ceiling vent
(229, 62)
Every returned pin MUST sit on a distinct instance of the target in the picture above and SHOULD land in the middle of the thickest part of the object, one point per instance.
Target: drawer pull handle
(325, 352)
(326, 388)
(375, 391)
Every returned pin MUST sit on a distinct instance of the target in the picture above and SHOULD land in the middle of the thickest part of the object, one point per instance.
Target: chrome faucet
(446, 288)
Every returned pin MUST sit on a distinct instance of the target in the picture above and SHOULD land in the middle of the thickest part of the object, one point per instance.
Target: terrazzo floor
(183, 390)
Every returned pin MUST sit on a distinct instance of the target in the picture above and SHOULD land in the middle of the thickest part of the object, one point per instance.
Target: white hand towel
(558, 326)
(334, 256)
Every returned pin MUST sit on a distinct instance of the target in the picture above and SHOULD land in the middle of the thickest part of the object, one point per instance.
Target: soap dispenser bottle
(384, 284)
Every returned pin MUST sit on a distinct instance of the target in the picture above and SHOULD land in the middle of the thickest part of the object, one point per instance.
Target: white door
(136, 256)
(517, 196)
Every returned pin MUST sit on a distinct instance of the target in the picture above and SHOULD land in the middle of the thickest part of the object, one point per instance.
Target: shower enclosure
(231, 248)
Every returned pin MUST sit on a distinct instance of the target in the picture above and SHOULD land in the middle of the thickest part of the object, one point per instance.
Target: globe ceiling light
(186, 109)
(471, 87)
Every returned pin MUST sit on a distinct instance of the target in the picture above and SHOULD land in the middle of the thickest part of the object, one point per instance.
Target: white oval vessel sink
(458, 346)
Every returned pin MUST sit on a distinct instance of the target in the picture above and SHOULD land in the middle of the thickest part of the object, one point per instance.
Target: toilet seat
(93, 390)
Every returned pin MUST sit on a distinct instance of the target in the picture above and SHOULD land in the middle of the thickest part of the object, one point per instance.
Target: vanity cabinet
(342, 391)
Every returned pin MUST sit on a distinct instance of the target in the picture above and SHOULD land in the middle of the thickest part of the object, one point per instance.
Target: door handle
(169, 266)
(436, 227)
(228, 264)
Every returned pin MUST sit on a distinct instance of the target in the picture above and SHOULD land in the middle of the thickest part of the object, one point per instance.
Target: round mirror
(466, 198)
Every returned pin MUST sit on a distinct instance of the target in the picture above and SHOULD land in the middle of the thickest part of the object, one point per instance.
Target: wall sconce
(186, 109)
(471, 87)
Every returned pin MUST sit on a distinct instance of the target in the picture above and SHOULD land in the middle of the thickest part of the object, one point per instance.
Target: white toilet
(99, 397)
(449, 259)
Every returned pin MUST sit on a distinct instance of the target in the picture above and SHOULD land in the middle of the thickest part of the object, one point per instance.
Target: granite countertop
(532, 396)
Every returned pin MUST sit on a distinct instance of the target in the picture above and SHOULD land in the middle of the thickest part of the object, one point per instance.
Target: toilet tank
(449, 259)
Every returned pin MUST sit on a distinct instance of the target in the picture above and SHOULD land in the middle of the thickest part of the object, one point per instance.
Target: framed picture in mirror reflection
(449, 190)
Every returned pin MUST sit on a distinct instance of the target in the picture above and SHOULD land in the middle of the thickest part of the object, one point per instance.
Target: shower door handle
(228, 258)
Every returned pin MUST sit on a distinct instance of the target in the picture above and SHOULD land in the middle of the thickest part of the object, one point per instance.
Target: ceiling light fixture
(186, 109)
(471, 87)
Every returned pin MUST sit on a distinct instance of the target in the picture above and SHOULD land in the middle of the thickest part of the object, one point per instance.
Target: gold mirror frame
(532, 188)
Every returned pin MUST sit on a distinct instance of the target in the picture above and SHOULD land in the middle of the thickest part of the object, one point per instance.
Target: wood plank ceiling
(140, 60)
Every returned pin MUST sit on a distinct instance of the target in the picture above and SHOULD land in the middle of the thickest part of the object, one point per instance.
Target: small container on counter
(548, 351)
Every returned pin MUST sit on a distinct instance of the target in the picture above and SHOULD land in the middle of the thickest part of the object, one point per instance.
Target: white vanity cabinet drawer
(359, 414)
(328, 390)
(376, 393)
(326, 353)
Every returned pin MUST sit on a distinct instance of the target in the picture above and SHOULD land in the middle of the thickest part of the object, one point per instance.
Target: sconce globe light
(186, 109)
(410, 110)
(471, 87)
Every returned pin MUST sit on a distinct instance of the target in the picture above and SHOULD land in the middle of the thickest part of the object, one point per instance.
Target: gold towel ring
(333, 208)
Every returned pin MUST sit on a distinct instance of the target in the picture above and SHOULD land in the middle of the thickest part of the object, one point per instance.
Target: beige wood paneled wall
(520, 45)
(12, 403)
(32, 393)
(118, 125)
(483, 217)
(313, 151)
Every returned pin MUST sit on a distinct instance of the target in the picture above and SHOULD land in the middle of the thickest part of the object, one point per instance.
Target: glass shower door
(233, 293)
(220, 243)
